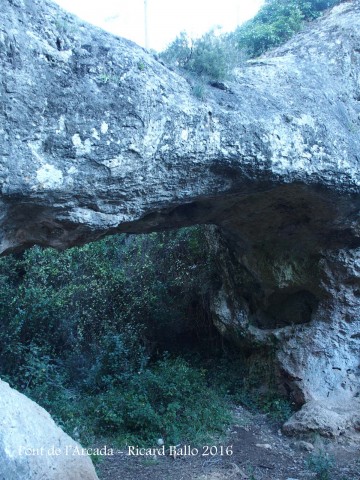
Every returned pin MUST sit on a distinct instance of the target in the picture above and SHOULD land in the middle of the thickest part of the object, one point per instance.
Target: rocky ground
(260, 452)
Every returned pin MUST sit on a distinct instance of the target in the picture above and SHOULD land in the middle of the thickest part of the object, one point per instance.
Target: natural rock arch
(99, 137)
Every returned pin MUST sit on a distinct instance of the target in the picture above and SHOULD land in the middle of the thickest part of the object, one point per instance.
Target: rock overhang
(92, 143)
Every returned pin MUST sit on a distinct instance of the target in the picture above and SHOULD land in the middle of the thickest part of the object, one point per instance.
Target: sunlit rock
(33, 447)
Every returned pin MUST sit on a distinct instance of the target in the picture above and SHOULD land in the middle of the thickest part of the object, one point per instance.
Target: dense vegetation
(276, 22)
(210, 57)
(213, 56)
(84, 323)
(114, 339)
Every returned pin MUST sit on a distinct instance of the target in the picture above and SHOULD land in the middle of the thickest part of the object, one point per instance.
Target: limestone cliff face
(97, 136)
(303, 309)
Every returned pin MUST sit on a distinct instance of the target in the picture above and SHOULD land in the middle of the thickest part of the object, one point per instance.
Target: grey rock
(305, 446)
(33, 447)
(266, 446)
(316, 354)
(98, 137)
(327, 421)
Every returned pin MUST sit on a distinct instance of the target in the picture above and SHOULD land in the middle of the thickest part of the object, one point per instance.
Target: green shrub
(276, 22)
(211, 57)
(118, 296)
(278, 408)
(79, 326)
(199, 91)
(118, 356)
(83, 331)
(170, 400)
(318, 5)
(320, 463)
(250, 382)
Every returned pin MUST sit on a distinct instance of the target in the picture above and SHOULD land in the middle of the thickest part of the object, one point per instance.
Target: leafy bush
(75, 305)
(251, 383)
(320, 463)
(198, 91)
(278, 408)
(318, 5)
(61, 305)
(276, 22)
(83, 331)
(170, 400)
(211, 57)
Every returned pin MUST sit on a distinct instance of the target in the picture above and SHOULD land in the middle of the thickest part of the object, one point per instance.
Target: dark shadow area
(286, 308)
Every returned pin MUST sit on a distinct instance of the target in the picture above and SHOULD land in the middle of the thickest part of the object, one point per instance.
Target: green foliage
(321, 464)
(317, 5)
(65, 26)
(74, 305)
(171, 400)
(250, 470)
(276, 22)
(199, 91)
(141, 66)
(107, 78)
(251, 382)
(211, 57)
(83, 333)
(79, 326)
(62, 305)
(278, 408)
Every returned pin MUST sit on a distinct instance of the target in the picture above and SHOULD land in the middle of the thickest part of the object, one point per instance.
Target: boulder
(329, 421)
(32, 446)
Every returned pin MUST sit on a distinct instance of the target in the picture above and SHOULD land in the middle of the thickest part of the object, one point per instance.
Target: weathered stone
(266, 446)
(305, 446)
(33, 447)
(328, 422)
(317, 354)
(97, 137)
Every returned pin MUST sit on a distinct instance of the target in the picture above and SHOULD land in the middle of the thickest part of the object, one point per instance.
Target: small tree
(211, 56)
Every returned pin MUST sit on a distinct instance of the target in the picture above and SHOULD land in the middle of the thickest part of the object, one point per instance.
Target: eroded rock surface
(33, 447)
(97, 136)
(303, 309)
